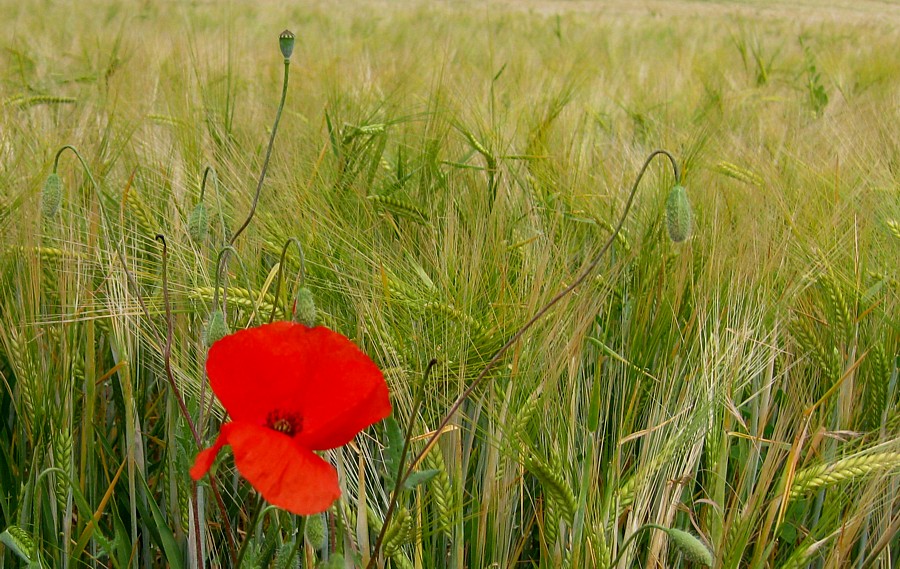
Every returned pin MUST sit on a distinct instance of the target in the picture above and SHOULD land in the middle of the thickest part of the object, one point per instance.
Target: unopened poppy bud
(216, 328)
(678, 214)
(692, 548)
(336, 561)
(51, 196)
(315, 530)
(286, 42)
(305, 308)
(198, 223)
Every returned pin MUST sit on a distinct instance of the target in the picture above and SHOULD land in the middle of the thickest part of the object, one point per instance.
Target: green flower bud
(336, 561)
(198, 223)
(285, 553)
(315, 530)
(305, 308)
(216, 328)
(678, 214)
(51, 196)
(286, 42)
(692, 548)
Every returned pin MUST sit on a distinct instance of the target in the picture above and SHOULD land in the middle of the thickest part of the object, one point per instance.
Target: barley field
(598, 355)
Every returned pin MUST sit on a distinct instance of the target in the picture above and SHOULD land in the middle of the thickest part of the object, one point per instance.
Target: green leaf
(394, 447)
(420, 477)
(173, 554)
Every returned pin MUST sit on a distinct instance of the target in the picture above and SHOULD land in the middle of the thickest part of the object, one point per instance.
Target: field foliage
(448, 168)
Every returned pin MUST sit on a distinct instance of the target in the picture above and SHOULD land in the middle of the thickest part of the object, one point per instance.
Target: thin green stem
(420, 396)
(206, 172)
(432, 440)
(167, 360)
(265, 167)
(118, 245)
(631, 537)
(222, 225)
(281, 269)
(167, 350)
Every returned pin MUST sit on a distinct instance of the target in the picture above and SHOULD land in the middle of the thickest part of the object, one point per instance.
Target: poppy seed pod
(216, 328)
(286, 43)
(678, 214)
(51, 196)
(305, 308)
(315, 530)
(692, 548)
(198, 223)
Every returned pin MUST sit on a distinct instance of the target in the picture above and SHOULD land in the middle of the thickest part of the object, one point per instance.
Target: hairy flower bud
(216, 328)
(692, 548)
(51, 196)
(678, 214)
(335, 561)
(315, 530)
(198, 223)
(305, 308)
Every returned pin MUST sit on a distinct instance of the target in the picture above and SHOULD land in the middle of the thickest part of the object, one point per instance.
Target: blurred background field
(448, 167)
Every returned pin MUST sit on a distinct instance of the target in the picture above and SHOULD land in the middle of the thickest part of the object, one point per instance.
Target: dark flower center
(288, 423)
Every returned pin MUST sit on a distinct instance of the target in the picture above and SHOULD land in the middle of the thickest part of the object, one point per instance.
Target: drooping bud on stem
(305, 308)
(286, 42)
(315, 531)
(678, 214)
(216, 328)
(198, 224)
(692, 548)
(51, 196)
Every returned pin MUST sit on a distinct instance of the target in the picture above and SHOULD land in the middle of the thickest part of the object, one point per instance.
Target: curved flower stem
(432, 440)
(420, 395)
(167, 350)
(624, 546)
(262, 175)
(280, 270)
(206, 172)
(221, 260)
(118, 245)
(675, 169)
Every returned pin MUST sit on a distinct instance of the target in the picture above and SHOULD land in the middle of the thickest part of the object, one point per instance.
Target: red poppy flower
(291, 390)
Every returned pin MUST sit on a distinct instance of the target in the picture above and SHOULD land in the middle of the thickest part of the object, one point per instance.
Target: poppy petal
(206, 457)
(323, 431)
(314, 373)
(286, 474)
